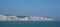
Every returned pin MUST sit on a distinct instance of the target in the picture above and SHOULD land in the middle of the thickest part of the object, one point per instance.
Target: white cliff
(31, 18)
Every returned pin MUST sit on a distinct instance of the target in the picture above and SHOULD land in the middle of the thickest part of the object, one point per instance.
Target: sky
(45, 8)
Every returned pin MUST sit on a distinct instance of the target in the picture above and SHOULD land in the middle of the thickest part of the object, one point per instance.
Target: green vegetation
(21, 16)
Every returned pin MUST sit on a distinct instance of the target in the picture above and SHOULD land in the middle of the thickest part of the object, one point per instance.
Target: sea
(29, 23)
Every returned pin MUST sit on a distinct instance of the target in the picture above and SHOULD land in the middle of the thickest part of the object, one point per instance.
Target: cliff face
(23, 18)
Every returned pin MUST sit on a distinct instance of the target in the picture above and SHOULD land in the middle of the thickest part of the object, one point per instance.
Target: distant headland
(24, 18)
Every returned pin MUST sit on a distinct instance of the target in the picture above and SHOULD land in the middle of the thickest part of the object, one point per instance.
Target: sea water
(29, 23)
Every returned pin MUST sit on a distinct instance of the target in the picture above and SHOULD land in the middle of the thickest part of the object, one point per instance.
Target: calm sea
(29, 24)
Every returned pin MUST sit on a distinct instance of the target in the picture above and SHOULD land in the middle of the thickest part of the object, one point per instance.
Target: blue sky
(47, 8)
